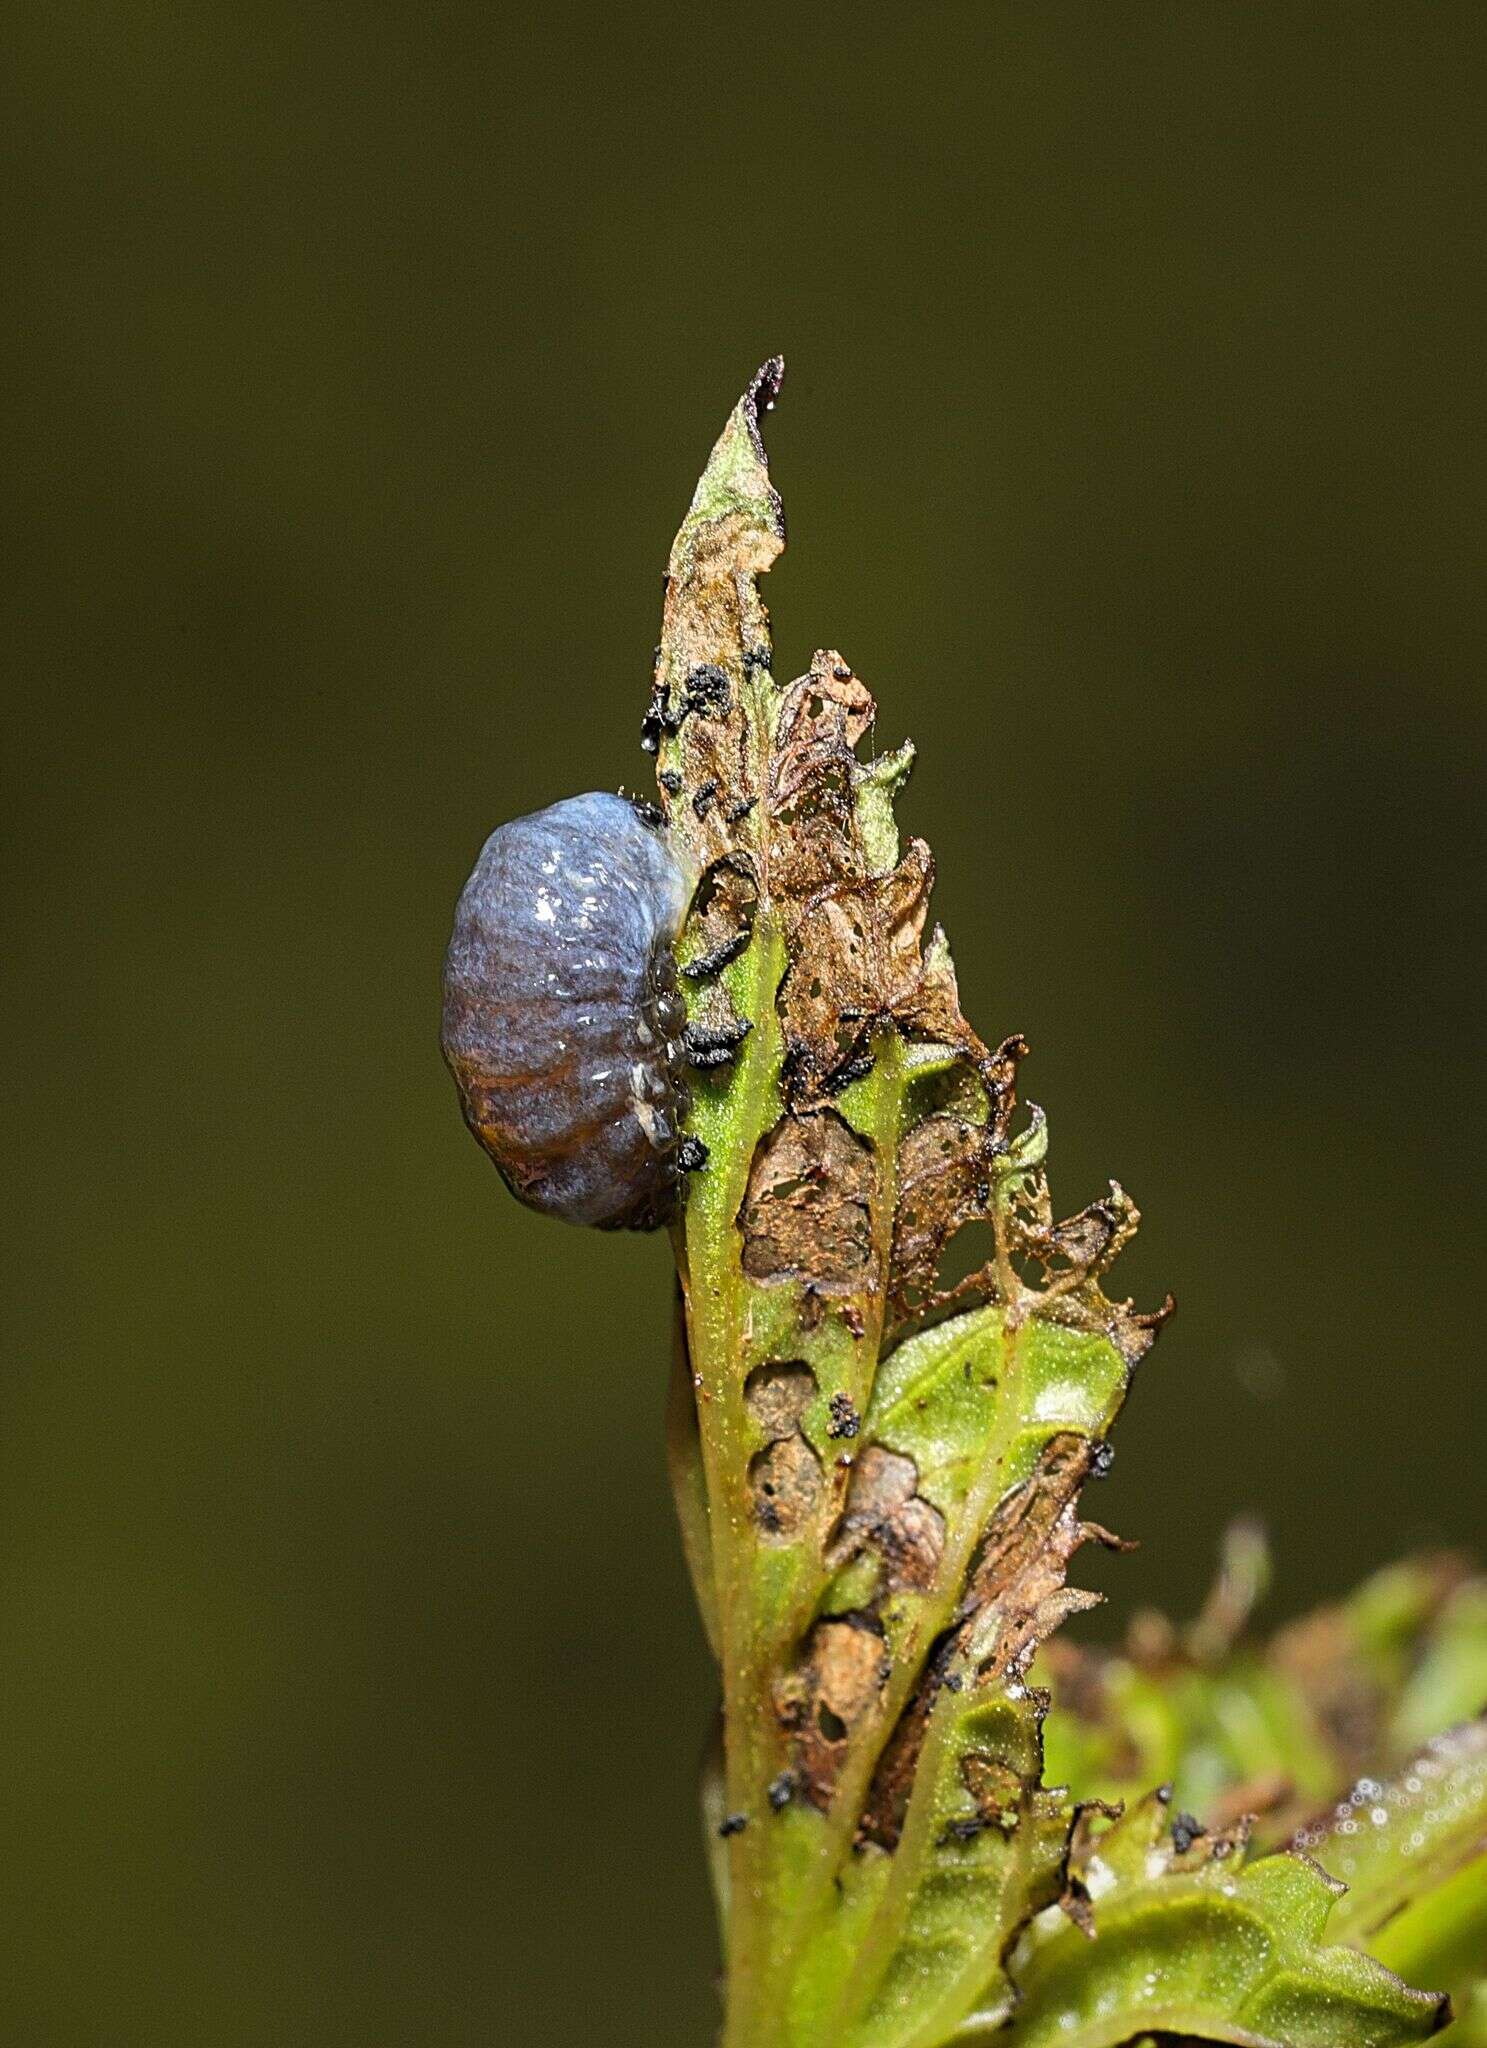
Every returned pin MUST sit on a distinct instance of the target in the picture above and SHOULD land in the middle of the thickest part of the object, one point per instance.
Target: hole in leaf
(967, 1252)
(807, 1211)
(777, 1395)
(786, 1480)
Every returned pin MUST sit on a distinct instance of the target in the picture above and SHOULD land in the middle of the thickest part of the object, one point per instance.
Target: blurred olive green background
(362, 361)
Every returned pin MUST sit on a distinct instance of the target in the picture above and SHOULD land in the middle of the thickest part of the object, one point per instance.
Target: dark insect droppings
(1185, 1831)
(843, 1420)
(706, 1047)
(857, 1068)
(715, 961)
(707, 690)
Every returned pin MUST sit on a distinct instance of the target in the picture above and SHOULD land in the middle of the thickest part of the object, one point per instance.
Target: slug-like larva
(562, 1021)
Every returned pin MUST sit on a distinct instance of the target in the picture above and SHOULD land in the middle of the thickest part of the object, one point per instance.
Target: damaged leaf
(993, 1431)
(851, 1524)
(1193, 1942)
(808, 1211)
(879, 1467)
(855, 963)
(786, 1478)
(836, 1686)
(1281, 1728)
(886, 1514)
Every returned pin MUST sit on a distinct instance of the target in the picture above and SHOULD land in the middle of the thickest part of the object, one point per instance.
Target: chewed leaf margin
(878, 1470)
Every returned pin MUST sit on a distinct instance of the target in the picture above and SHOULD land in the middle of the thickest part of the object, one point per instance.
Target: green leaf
(1227, 1739)
(1470, 2031)
(1189, 1941)
(876, 1476)
(1395, 1843)
(1413, 1853)
(913, 1933)
(998, 1423)
(1442, 1937)
(1449, 1680)
(877, 1472)
(1281, 1728)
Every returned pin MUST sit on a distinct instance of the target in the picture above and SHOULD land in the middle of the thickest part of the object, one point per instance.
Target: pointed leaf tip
(763, 389)
(736, 522)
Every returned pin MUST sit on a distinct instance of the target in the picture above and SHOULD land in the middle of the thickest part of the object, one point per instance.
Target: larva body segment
(562, 1024)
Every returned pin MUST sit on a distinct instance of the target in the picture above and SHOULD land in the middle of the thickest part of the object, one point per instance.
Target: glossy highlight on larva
(562, 1022)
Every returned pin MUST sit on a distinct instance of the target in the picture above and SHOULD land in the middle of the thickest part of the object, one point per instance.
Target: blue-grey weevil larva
(562, 1020)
